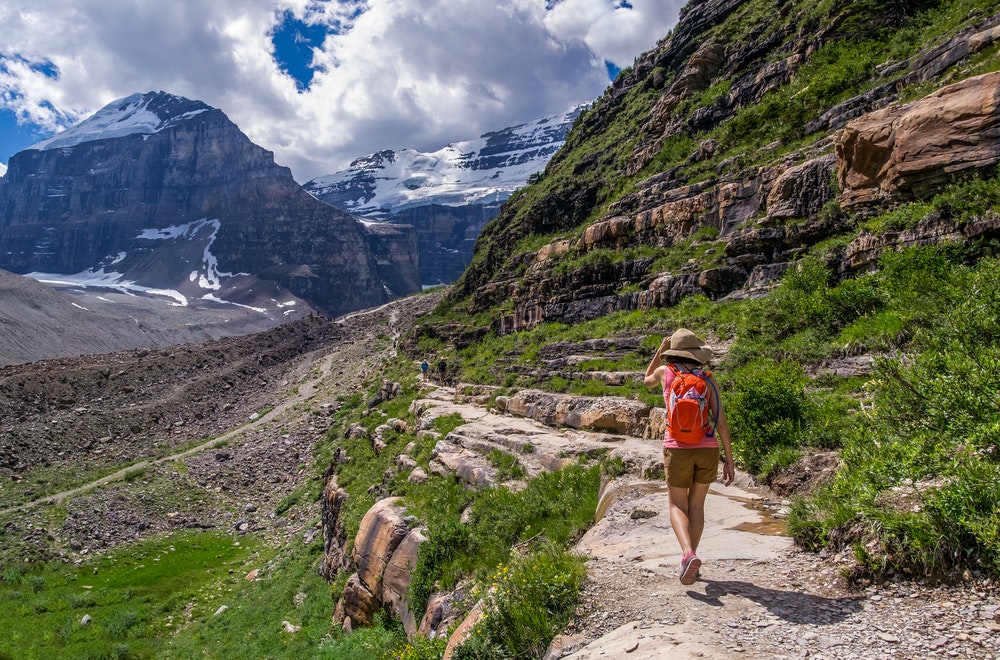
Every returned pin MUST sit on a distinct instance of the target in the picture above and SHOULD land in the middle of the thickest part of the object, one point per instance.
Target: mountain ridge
(483, 171)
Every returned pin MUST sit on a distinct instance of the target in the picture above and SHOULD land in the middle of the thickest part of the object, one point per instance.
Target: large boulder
(397, 577)
(382, 530)
(906, 152)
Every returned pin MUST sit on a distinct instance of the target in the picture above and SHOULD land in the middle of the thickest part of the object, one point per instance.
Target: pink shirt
(708, 442)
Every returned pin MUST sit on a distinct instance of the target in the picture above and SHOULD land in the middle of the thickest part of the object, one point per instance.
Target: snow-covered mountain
(160, 195)
(450, 194)
(484, 171)
(142, 114)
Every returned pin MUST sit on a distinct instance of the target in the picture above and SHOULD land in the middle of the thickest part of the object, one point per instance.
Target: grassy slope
(903, 500)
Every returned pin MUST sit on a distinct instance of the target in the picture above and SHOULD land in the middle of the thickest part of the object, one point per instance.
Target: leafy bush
(766, 410)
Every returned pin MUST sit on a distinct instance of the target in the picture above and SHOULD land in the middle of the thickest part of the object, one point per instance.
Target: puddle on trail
(768, 525)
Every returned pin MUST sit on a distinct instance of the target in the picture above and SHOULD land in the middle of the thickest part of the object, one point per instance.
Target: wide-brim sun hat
(685, 344)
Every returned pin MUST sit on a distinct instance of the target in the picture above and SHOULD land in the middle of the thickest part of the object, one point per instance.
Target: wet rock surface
(757, 596)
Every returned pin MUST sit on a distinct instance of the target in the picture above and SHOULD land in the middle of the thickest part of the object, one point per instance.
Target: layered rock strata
(739, 226)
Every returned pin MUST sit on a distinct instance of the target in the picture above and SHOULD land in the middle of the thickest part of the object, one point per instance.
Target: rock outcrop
(907, 152)
(382, 530)
(543, 433)
(599, 413)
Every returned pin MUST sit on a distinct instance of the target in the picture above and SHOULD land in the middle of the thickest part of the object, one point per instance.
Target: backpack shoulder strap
(718, 399)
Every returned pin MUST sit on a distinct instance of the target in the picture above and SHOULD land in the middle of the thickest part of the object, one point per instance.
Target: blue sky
(320, 82)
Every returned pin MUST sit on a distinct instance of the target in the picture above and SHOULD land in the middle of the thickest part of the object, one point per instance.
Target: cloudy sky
(320, 82)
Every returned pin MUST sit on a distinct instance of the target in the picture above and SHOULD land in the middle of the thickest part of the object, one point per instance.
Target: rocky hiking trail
(757, 597)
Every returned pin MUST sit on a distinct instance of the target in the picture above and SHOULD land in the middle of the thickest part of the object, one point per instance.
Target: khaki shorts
(687, 466)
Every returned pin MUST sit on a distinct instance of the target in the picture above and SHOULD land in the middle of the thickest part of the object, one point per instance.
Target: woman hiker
(695, 425)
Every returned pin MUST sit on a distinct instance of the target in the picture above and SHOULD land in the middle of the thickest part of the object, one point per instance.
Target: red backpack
(687, 405)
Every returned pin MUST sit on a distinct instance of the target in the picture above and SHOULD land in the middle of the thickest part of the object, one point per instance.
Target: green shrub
(556, 505)
(423, 648)
(766, 410)
(919, 488)
(526, 604)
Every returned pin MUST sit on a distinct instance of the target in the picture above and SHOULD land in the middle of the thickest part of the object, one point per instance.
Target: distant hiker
(695, 425)
(442, 368)
(423, 369)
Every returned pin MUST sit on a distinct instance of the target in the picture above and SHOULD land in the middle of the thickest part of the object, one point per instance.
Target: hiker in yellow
(696, 424)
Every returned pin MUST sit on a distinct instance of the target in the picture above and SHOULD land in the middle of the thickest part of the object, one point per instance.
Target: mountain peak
(483, 171)
(142, 114)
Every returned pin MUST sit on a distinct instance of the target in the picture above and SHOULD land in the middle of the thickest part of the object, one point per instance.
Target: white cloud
(3, 169)
(614, 31)
(398, 73)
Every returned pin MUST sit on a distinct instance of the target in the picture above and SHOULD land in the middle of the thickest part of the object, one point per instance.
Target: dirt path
(757, 596)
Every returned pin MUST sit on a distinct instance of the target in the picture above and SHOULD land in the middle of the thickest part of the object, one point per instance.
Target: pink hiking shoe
(689, 568)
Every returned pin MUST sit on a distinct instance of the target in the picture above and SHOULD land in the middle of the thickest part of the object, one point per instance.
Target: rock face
(167, 193)
(445, 236)
(906, 152)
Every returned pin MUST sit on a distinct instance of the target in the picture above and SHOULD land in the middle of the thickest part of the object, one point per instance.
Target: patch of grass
(130, 595)
(506, 465)
(445, 424)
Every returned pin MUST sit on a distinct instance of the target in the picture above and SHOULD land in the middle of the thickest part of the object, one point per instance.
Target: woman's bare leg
(687, 515)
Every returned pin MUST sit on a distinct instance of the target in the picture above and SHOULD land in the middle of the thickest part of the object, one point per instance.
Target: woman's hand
(728, 471)
(652, 377)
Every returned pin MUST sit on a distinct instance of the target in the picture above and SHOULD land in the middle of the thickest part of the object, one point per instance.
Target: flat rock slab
(633, 544)
(635, 525)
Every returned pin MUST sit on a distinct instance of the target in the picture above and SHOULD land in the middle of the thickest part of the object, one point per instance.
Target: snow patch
(103, 280)
(210, 277)
(127, 116)
(215, 299)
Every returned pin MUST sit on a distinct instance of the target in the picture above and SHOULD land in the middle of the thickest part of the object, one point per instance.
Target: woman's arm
(654, 371)
(722, 432)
